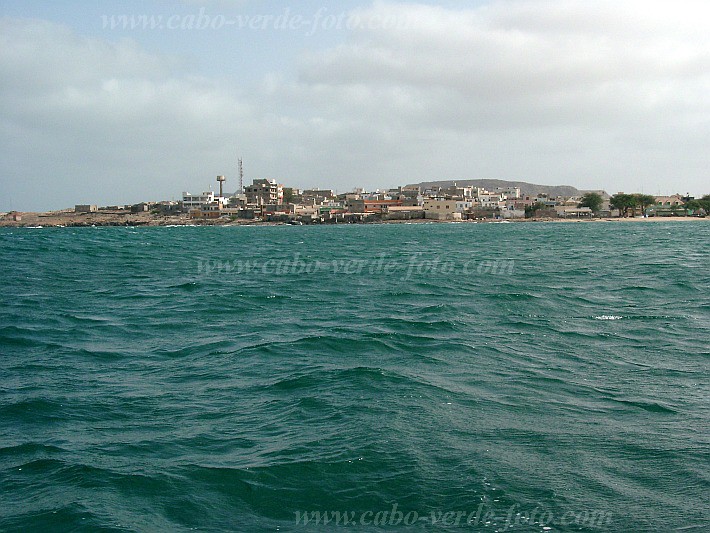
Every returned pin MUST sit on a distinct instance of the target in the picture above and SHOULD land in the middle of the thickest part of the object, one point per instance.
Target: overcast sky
(598, 94)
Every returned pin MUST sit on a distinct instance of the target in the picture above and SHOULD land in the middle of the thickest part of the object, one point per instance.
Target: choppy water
(235, 378)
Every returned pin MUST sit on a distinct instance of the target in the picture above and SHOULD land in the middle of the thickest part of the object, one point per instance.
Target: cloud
(525, 63)
(553, 91)
(88, 120)
(600, 95)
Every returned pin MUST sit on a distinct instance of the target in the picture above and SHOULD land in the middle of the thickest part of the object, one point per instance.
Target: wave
(139, 394)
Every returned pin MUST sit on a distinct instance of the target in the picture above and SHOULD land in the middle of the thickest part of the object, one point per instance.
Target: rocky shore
(68, 218)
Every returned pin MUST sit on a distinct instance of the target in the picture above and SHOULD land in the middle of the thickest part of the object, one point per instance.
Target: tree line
(629, 203)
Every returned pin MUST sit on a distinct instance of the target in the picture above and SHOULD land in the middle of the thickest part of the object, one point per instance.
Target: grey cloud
(598, 95)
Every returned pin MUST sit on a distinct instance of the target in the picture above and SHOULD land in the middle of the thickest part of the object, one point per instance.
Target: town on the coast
(268, 201)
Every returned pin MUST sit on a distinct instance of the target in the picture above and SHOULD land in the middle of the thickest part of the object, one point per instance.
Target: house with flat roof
(441, 209)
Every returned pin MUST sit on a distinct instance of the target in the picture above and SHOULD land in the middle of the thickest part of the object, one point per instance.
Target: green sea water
(404, 377)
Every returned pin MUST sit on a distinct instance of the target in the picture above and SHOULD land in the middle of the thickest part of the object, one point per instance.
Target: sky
(120, 102)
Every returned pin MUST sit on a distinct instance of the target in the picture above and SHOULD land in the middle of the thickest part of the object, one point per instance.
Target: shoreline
(58, 219)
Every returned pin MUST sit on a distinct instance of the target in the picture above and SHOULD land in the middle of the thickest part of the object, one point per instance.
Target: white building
(197, 201)
(509, 192)
(491, 200)
(573, 212)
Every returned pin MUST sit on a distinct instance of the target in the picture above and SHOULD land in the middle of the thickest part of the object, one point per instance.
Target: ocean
(403, 377)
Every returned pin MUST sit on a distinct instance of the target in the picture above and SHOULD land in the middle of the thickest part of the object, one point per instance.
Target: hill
(525, 187)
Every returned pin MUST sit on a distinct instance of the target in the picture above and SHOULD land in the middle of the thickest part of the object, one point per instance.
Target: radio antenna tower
(241, 176)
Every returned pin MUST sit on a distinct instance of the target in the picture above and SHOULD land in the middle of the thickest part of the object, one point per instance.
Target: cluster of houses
(265, 199)
(268, 200)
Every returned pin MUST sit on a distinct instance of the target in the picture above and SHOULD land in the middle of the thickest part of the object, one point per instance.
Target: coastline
(68, 218)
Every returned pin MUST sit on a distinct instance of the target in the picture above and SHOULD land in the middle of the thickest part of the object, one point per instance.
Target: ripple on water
(141, 393)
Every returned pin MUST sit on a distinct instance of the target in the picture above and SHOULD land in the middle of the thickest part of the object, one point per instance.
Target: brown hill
(525, 187)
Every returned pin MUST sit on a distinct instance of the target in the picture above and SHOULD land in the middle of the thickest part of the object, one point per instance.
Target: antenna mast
(241, 176)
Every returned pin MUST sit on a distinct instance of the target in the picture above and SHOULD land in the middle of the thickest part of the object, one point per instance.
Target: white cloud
(562, 91)
(511, 58)
(602, 95)
(86, 120)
